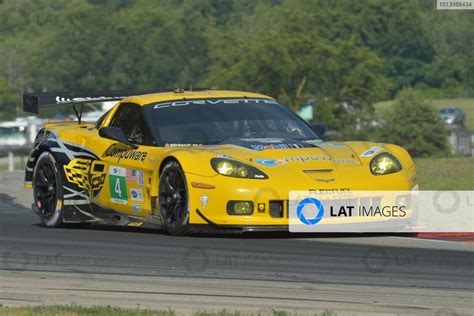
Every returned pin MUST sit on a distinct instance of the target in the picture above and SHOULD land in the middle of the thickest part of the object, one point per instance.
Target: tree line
(294, 50)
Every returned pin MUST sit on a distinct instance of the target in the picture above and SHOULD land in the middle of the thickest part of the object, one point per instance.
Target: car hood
(300, 155)
(288, 161)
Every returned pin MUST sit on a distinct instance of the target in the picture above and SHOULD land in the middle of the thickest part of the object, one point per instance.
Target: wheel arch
(40, 146)
(166, 161)
(180, 229)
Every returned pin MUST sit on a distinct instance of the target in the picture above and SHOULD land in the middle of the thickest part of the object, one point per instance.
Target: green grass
(445, 174)
(467, 105)
(74, 310)
(19, 163)
(19, 166)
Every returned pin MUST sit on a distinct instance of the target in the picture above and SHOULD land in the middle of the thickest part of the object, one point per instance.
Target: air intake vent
(276, 209)
(318, 171)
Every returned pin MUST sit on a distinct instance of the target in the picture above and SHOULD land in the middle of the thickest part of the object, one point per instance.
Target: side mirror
(117, 134)
(319, 128)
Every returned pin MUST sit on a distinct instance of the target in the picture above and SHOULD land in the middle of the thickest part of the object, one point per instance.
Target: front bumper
(374, 227)
(225, 189)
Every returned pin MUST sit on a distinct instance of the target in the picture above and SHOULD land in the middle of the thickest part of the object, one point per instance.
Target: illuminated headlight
(384, 164)
(232, 168)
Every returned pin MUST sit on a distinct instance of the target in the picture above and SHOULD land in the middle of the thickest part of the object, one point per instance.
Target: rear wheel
(173, 199)
(48, 191)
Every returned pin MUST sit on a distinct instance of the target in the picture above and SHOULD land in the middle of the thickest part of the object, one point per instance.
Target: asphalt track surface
(100, 265)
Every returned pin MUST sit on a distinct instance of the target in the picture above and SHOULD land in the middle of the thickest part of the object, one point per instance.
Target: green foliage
(290, 53)
(9, 99)
(414, 123)
(293, 50)
(394, 30)
(452, 70)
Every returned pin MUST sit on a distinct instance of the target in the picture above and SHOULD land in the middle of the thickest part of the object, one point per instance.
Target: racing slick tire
(48, 191)
(173, 199)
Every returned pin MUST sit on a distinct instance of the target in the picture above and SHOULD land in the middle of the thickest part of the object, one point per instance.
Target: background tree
(9, 100)
(333, 52)
(414, 123)
(397, 31)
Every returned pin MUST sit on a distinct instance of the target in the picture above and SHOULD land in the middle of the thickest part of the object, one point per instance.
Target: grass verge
(445, 173)
(74, 310)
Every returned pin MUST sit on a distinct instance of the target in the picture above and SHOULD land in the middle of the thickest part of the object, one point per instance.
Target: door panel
(127, 187)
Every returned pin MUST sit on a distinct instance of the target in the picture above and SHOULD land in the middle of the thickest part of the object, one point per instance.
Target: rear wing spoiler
(32, 102)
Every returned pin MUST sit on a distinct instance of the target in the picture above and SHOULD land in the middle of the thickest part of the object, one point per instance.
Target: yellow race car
(193, 161)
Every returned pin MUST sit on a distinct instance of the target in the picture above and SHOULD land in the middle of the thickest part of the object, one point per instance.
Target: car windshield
(447, 111)
(221, 121)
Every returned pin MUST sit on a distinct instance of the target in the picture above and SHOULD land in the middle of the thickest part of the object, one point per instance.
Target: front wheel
(173, 199)
(48, 191)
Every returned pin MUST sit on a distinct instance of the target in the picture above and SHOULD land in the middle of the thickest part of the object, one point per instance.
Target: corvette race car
(193, 161)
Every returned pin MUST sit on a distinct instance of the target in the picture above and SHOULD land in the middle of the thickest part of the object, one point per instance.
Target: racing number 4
(118, 185)
(118, 191)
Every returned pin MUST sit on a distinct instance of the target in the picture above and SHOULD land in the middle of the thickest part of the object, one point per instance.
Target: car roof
(200, 94)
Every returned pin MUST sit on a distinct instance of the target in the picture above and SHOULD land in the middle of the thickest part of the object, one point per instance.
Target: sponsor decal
(211, 101)
(118, 185)
(121, 153)
(262, 140)
(326, 180)
(182, 145)
(131, 175)
(136, 207)
(60, 100)
(136, 194)
(327, 144)
(86, 174)
(204, 199)
(155, 217)
(140, 177)
(224, 156)
(135, 224)
(275, 146)
(304, 159)
(134, 175)
(370, 152)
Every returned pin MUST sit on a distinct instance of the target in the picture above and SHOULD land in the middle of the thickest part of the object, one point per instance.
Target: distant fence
(14, 151)
(461, 140)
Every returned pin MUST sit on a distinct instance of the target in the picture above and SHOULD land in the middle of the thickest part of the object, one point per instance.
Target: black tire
(48, 191)
(173, 199)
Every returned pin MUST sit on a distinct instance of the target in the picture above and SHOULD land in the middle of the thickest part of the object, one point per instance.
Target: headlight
(384, 164)
(232, 168)
(240, 207)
